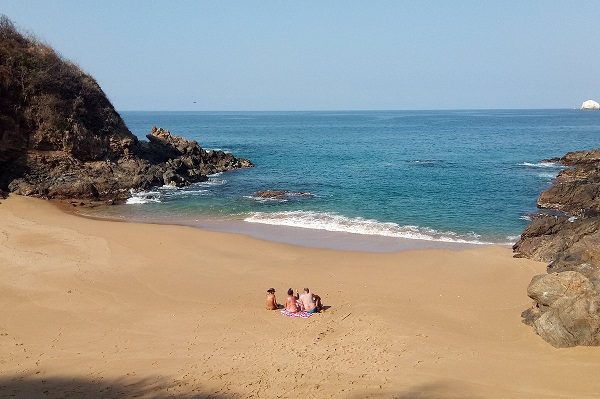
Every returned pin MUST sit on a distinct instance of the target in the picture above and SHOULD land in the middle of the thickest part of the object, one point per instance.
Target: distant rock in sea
(60, 137)
(590, 105)
(566, 310)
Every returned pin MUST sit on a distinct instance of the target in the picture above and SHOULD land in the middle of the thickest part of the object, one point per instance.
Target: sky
(326, 55)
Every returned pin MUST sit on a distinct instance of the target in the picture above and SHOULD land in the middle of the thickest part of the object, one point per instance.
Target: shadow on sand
(438, 390)
(55, 388)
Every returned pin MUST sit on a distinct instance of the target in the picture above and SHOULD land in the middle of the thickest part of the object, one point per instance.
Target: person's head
(271, 291)
(306, 290)
(290, 292)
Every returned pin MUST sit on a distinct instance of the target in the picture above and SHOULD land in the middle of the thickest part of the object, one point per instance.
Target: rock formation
(60, 136)
(281, 194)
(566, 310)
(590, 104)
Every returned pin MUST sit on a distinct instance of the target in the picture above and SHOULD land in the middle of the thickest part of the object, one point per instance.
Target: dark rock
(60, 136)
(567, 301)
(280, 194)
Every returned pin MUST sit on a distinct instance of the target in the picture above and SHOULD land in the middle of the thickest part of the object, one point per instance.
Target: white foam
(541, 165)
(358, 225)
(212, 181)
(226, 151)
(525, 217)
(143, 197)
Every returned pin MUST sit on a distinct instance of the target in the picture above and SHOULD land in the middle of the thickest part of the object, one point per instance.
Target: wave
(212, 181)
(357, 225)
(525, 217)
(143, 197)
(542, 165)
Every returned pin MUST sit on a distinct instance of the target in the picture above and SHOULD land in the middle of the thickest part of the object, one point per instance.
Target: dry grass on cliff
(48, 103)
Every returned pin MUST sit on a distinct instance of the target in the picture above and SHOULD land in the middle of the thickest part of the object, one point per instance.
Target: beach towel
(304, 315)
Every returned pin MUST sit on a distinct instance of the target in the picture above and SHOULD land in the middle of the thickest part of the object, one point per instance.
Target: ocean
(369, 180)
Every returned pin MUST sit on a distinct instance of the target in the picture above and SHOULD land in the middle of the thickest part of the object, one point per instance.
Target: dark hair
(290, 292)
(271, 290)
(306, 290)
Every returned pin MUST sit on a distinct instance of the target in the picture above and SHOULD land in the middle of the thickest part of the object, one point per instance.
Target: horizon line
(351, 110)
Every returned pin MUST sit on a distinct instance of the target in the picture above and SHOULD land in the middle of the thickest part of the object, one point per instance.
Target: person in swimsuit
(311, 302)
(290, 302)
(271, 300)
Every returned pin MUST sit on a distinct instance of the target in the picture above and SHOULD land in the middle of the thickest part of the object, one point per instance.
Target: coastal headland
(113, 309)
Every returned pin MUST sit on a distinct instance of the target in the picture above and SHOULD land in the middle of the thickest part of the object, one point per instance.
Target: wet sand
(107, 309)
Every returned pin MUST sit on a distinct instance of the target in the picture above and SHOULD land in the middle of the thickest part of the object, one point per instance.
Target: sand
(93, 308)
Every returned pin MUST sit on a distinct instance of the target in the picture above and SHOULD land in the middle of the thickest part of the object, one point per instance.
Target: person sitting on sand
(311, 302)
(290, 302)
(271, 300)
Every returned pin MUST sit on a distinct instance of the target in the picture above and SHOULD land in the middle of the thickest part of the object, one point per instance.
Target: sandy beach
(93, 308)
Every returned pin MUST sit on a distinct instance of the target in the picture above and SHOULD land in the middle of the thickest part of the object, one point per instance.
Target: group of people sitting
(307, 302)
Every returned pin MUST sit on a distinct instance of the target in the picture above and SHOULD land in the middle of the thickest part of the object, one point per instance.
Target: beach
(113, 309)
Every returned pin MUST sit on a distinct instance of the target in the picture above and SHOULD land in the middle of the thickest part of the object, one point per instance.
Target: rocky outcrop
(281, 194)
(590, 105)
(60, 136)
(566, 234)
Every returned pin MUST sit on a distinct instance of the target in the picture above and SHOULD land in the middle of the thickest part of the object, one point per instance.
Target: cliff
(60, 137)
(566, 309)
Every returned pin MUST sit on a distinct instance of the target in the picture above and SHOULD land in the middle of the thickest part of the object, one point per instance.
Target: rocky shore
(61, 138)
(566, 234)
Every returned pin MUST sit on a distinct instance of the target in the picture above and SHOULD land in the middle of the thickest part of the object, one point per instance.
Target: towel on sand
(304, 315)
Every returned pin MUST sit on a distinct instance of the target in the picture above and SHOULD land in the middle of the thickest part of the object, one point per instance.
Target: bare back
(290, 304)
(308, 301)
(271, 302)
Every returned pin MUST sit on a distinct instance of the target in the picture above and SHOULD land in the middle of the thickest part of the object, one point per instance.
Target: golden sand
(107, 309)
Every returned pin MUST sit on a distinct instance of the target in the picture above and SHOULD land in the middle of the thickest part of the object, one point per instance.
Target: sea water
(429, 176)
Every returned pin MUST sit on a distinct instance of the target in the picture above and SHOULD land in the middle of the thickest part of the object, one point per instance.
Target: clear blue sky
(326, 55)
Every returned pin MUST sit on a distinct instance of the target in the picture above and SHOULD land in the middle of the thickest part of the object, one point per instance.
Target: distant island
(590, 105)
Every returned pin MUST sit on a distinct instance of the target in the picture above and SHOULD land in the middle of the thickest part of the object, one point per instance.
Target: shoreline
(292, 235)
(160, 310)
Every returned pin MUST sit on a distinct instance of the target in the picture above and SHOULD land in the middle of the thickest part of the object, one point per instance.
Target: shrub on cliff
(50, 104)
(60, 137)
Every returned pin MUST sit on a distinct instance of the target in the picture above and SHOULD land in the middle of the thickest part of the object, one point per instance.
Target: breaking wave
(357, 225)
(542, 165)
(143, 197)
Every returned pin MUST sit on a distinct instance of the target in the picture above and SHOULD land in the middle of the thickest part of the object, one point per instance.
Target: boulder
(566, 309)
(281, 194)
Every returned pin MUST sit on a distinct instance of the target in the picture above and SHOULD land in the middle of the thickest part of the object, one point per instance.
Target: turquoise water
(464, 176)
